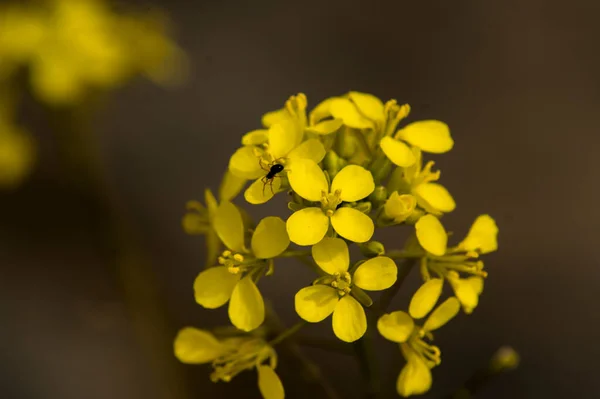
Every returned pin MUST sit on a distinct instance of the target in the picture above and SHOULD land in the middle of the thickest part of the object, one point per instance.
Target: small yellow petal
(353, 225)
(321, 111)
(196, 346)
(376, 274)
(368, 105)
(326, 127)
(349, 319)
(309, 149)
(307, 179)
(282, 139)
(245, 164)
(262, 190)
(399, 207)
(269, 383)
(397, 152)
(231, 185)
(211, 204)
(270, 238)
(465, 291)
(255, 137)
(316, 302)
(425, 298)
(246, 307)
(344, 109)
(442, 314)
(431, 235)
(415, 377)
(354, 183)
(331, 254)
(213, 287)
(273, 117)
(396, 326)
(307, 226)
(229, 226)
(436, 196)
(482, 237)
(430, 136)
(476, 283)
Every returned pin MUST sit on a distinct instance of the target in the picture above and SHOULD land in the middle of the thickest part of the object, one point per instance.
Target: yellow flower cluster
(347, 168)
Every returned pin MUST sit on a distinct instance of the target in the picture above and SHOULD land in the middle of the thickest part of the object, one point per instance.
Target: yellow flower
(421, 357)
(330, 294)
(235, 279)
(309, 225)
(231, 356)
(429, 136)
(398, 207)
(17, 150)
(464, 258)
(419, 182)
(199, 220)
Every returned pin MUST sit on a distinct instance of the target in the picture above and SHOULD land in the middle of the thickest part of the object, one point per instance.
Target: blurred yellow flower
(309, 225)
(329, 294)
(71, 46)
(17, 150)
(231, 356)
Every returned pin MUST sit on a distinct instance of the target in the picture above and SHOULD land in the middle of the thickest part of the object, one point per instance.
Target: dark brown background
(517, 81)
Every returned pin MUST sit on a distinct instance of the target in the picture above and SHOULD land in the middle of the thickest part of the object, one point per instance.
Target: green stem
(330, 345)
(287, 333)
(292, 254)
(363, 349)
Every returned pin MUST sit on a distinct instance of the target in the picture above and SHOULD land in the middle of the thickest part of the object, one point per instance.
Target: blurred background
(516, 81)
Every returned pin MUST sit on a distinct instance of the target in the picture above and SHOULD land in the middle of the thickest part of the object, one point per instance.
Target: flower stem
(363, 348)
(287, 333)
(292, 254)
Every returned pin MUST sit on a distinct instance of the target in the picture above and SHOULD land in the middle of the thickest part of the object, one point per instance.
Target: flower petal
(343, 108)
(396, 326)
(349, 319)
(436, 196)
(273, 117)
(376, 274)
(442, 314)
(229, 226)
(270, 238)
(425, 298)
(353, 225)
(256, 137)
(415, 377)
(261, 191)
(307, 179)
(316, 302)
(368, 105)
(231, 185)
(466, 291)
(246, 307)
(331, 254)
(321, 111)
(430, 136)
(213, 287)
(354, 183)
(282, 139)
(397, 152)
(269, 383)
(196, 346)
(307, 226)
(326, 127)
(482, 237)
(309, 149)
(244, 163)
(431, 235)
(399, 207)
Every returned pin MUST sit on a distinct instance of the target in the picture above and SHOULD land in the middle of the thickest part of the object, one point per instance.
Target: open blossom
(234, 280)
(309, 225)
(333, 293)
(230, 356)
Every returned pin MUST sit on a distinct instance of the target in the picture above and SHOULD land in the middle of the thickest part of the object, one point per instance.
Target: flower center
(342, 282)
(467, 263)
(242, 357)
(330, 201)
(426, 175)
(430, 353)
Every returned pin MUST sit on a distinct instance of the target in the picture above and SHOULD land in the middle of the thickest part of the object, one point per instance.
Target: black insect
(274, 168)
